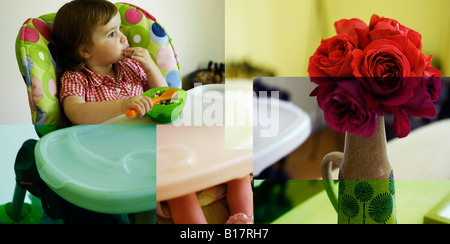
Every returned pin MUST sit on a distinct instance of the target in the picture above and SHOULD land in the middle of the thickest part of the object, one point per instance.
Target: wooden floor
(304, 162)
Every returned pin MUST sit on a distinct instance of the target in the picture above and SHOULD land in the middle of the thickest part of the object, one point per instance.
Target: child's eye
(112, 34)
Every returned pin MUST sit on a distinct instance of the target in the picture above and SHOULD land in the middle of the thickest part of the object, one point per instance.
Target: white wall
(196, 27)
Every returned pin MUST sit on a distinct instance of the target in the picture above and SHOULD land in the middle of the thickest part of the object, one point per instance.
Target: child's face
(109, 43)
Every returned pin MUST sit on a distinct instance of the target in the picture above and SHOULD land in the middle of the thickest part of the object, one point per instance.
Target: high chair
(35, 54)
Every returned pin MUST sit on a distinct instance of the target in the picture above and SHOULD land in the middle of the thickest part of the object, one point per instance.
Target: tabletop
(423, 154)
(414, 199)
(421, 171)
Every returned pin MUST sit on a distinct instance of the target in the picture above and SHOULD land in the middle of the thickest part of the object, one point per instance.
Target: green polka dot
(40, 56)
(138, 36)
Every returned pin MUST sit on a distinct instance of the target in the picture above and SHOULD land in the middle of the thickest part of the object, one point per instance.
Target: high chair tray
(195, 152)
(193, 158)
(102, 168)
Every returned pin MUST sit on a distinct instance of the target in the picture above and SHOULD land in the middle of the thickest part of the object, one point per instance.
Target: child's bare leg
(240, 196)
(186, 210)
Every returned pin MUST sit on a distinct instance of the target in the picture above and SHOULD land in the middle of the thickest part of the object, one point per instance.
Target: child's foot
(239, 218)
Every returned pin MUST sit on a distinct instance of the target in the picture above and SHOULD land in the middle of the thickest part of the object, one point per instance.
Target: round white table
(292, 128)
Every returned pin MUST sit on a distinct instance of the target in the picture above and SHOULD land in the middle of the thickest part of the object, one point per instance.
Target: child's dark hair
(74, 25)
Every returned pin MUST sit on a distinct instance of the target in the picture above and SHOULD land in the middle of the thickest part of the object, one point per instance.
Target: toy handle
(336, 158)
(131, 113)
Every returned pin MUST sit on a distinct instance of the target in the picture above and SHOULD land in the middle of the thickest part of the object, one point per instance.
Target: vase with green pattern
(366, 191)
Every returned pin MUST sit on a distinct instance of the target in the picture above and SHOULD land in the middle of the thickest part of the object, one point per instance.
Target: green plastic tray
(102, 168)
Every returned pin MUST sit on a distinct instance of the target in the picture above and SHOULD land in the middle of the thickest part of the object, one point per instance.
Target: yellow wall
(283, 34)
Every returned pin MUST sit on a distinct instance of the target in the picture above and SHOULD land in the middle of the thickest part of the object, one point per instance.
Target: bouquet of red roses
(366, 71)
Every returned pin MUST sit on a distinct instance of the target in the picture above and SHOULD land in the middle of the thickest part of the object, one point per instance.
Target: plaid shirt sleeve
(72, 83)
(138, 72)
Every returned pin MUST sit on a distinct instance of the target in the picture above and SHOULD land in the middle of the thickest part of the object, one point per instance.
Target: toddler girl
(104, 76)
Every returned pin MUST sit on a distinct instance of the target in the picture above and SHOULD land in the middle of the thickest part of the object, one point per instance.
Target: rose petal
(409, 49)
(355, 28)
(401, 124)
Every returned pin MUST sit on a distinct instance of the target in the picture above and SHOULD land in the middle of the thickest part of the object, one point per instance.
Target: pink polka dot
(36, 90)
(146, 14)
(166, 58)
(26, 21)
(29, 34)
(52, 88)
(42, 28)
(133, 16)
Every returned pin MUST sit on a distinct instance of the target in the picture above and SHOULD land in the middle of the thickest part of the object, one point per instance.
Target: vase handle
(327, 161)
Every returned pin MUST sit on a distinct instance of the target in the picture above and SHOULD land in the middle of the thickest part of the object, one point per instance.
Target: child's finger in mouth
(129, 52)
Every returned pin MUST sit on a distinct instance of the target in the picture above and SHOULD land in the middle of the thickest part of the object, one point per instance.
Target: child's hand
(141, 104)
(154, 76)
(141, 55)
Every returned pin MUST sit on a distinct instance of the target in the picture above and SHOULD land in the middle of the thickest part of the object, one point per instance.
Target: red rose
(393, 57)
(391, 75)
(333, 57)
(389, 62)
(380, 28)
(344, 108)
(356, 28)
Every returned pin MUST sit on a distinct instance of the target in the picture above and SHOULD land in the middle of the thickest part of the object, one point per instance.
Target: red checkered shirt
(92, 87)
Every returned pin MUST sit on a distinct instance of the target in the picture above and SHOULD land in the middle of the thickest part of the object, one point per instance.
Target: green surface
(29, 214)
(273, 198)
(415, 198)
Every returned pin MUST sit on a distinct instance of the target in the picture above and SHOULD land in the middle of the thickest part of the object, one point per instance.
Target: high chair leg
(17, 203)
(28, 179)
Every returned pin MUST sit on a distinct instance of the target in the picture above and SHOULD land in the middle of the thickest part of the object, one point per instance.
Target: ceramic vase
(366, 191)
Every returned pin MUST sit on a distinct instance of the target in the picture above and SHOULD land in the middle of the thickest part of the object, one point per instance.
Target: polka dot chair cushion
(143, 30)
(35, 54)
